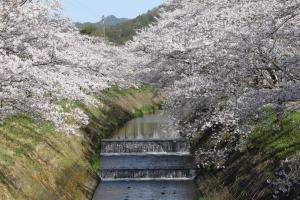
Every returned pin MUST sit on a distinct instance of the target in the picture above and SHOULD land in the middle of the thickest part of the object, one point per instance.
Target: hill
(110, 20)
(117, 30)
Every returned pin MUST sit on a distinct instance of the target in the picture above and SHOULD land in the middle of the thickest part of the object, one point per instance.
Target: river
(155, 126)
(146, 160)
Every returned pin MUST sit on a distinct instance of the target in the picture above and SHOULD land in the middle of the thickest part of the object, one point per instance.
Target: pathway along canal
(146, 160)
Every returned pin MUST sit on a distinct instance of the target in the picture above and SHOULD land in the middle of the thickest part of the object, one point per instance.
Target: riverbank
(263, 169)
(37, 162)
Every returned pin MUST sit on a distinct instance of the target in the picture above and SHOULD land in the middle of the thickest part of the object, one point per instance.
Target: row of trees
(222, 61)
(43, 60)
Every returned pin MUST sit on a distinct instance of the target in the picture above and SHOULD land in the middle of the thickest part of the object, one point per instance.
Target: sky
(93, 10)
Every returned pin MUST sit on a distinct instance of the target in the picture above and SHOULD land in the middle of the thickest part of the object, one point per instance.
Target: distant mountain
(110, 20)
(119, 30)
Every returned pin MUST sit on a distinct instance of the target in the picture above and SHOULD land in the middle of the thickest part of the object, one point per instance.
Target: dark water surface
(146, 160)
(147, 190)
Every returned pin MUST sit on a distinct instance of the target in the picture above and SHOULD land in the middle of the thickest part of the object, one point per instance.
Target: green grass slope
(246, 173)
(37, 162)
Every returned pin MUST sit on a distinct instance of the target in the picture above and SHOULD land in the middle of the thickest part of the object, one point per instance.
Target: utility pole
(103, 21)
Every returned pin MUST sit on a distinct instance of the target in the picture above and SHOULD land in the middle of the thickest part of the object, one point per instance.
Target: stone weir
(128, 167)
(144, 146)
(146, 159)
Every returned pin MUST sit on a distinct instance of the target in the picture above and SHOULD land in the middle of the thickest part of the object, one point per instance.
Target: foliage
(88, 30)
(146, 109)
(95, 162)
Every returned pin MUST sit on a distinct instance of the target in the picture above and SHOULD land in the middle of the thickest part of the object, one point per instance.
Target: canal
(146, 159)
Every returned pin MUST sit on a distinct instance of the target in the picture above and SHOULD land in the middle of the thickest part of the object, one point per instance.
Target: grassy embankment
(246, 173)
(37, 162)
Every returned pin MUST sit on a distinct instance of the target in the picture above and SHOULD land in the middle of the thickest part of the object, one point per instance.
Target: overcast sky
(92, 10)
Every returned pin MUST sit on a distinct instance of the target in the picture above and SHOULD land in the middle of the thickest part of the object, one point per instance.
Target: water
(156, 126)
(142, 146)
(147, 190)
(146, 160)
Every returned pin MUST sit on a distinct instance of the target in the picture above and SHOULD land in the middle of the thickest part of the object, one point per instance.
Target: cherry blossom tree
(221, 61)
(43, 60)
